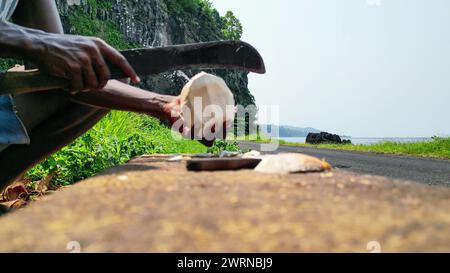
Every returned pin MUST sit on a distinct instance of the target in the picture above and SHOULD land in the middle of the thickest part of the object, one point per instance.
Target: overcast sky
(367, 68)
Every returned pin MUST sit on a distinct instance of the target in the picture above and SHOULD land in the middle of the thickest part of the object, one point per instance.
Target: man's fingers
(102, 71)
(76, 82)
(114, 57)
(89, 77)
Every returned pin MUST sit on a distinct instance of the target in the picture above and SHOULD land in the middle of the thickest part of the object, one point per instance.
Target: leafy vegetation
(228, 26)
(6, 64)
(96, 5)
(116, 139)
(232, 27)
(87, 24)
(224, 145)
(181, 8)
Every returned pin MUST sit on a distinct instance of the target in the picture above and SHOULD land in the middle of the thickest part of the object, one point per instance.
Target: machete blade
(150, 61)
(210, 55)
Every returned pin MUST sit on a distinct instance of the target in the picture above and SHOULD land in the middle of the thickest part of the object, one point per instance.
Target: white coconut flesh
(215, 102)
(291, 163)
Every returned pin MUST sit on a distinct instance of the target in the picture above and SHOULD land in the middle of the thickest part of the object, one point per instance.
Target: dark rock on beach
(324, 137)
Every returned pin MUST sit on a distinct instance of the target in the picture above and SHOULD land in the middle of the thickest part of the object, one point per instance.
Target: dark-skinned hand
(80, 60)
(174, 113)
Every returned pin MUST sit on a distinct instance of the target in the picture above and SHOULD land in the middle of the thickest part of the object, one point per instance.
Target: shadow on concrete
(4, 210)
(117, 170)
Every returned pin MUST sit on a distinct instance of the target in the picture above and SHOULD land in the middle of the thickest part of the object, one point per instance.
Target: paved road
(429, 171)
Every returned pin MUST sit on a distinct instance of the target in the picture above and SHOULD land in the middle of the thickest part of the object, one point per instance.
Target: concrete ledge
(151, 205)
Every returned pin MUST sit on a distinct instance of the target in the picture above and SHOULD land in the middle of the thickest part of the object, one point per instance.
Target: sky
(364, 68)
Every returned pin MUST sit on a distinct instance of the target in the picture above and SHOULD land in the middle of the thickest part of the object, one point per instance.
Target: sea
(366, 140)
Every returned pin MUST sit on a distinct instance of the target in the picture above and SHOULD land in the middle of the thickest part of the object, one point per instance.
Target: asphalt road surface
(423, 170)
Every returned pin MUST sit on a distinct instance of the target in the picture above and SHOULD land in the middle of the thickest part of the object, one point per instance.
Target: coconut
(207, 101)
(291, 163)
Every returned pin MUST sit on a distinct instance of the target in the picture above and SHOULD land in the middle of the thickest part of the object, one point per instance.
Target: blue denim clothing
(7, 8)
(12, 130)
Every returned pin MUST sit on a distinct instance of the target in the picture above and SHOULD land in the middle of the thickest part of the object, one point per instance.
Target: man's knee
(35, 108)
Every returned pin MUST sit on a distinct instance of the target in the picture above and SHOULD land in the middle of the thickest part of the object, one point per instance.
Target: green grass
(438, 147)
(116, 139)
(224, 145)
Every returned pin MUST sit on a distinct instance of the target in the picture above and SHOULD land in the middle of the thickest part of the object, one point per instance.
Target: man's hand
(173, 111)
(81, 60)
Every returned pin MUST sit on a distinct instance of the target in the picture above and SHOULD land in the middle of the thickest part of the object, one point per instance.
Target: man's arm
(120, 96)
(43, 15)
(81, 60)
(38, 14)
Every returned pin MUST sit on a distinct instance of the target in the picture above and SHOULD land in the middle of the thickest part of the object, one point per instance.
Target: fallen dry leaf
(18, 194)
(18, 190)
(16, 204)
(42, 186)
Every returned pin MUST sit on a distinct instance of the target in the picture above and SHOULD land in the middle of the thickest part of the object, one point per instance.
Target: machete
(151, 61)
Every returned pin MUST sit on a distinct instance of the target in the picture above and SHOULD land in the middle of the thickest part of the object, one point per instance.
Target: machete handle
(29, 81)
(221, 164)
